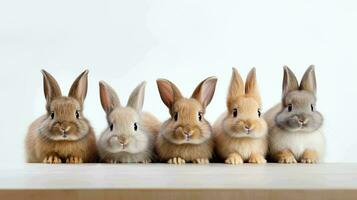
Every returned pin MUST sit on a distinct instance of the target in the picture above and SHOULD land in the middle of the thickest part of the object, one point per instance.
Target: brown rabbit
(186, 136)
(62, 134)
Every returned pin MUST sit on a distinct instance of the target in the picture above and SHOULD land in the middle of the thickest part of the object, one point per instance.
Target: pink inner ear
(166, 92)
(105, 99)
(207, 92)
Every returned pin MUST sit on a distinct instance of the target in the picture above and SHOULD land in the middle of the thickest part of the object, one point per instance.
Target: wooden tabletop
(155, 181)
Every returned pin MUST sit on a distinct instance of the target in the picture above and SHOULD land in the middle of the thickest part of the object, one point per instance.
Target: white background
(126, 42)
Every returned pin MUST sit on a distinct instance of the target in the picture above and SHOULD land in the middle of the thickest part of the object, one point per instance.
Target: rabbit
(240, 134)
(63, 134)
(131, 133)
(187, 135)
(295, 125)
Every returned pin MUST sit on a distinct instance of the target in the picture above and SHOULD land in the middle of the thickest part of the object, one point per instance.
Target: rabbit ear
(169, 93)
(79, 87)
(108, 97)
(50, 87)
(290, 82)
(236, 87)
(251, 85)
(136, 99)
(205, 90)
(308, 81)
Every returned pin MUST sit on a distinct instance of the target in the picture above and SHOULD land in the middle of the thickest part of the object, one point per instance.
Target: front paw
(234, 159)
(52, 159)
(257, 159)
(111, 161)
(308, 160)
(146, 161)
(176, 161)
(289, 159)
(309, 157)
(74, 160)
(201, 161)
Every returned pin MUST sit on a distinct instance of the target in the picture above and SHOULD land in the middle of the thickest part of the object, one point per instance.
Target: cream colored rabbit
(131, 133)
(241, 132)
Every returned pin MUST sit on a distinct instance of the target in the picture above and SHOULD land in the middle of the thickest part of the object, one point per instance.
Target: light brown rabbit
(186, 136)
(62, 134)
(241, 133)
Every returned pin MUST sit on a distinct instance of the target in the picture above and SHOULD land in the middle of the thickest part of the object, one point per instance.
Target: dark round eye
(111, 127)
(259, 113)
(200, 116)
(235, 112)
(52, 115)
(77, 114)
(290, 107)
(135, 126)
(176, 116)
(312, 108)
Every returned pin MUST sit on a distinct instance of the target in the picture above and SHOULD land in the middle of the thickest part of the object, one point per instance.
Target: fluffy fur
(186, 136)
(63, 134)
(240, 132)
(295, 126)
(130, 135)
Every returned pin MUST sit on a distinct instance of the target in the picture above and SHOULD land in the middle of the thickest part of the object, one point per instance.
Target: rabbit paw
(285, 156)
(176, 161)
(52, 159)
(257, 159)
(111, 161)
(201, 161)
(309, 157)
(288, 159)
(234, 159)
(146, 161)
(74, 160)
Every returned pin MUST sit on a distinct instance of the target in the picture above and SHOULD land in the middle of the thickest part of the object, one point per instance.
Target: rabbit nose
(123, 140)
(65, 129)
(302, 120)
(247, 128)
(187, 133)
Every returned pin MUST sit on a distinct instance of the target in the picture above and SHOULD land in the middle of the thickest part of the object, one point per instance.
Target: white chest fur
(297, 142)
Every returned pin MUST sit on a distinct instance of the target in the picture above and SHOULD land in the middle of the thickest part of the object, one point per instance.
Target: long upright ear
(50, 87)
(79, 87)
(205, 90)
(290, 82)
(136, 99)
(169, 93)
(236, 87)
(251, 86)
(308, 81)
(108, 97)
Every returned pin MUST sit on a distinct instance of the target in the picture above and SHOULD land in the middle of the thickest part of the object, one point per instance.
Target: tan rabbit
(240, 133)
(186, 136)
(63, 134)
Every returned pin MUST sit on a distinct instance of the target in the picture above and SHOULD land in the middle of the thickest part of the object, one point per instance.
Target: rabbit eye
(259, 112)
(290, 107)
(111, 127)
(235, 112)
(200, 116)
(52, 115)
(312, 108)
(135, 126)
(176, 116)
(77, 114)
